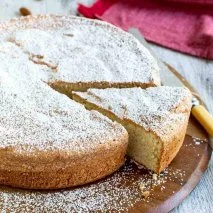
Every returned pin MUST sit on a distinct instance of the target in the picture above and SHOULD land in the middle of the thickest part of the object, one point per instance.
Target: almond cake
(49, 141)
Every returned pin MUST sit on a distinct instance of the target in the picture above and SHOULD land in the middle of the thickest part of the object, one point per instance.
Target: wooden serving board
(123, 191)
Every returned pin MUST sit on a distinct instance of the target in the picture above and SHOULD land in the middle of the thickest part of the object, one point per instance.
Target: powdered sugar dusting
(159, 109)
(52, 48)
(119, 192)
(95, 51)
(29, 107)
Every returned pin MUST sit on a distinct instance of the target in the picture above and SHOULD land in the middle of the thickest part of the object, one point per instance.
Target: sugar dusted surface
(84, 50)
(158, 109)
(42, 49)
(34, 116)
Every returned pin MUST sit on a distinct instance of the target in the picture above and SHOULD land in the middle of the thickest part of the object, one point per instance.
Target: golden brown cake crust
(173, 144)
(52, 170)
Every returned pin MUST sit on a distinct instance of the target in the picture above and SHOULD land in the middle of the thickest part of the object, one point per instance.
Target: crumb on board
(108, 194)
(154, 176)
(25, 11)
(141, 186)
(146, 194)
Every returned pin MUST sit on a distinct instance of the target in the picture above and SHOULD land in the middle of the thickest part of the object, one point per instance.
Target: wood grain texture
(198, 72)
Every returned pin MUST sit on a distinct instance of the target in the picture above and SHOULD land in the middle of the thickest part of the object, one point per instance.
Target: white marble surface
(198, 72)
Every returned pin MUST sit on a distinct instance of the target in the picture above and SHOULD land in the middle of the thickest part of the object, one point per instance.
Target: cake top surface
(37, 50)
(35, 117)
(158, 109)
(82, 50)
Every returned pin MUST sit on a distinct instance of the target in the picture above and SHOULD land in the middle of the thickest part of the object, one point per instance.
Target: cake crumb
(25, 11)
(142, 187)
(154, 176)
(146, 194)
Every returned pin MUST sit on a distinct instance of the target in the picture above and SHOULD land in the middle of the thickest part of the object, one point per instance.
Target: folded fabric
(183, 27)
(199, 2)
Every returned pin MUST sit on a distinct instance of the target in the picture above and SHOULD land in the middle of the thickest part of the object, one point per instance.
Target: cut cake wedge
(155, 118)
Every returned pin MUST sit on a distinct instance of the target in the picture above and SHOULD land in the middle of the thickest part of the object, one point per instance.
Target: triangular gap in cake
(68, 88)
(156, 123)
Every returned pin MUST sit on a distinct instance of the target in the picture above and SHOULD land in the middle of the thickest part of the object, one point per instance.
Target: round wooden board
(121, 191)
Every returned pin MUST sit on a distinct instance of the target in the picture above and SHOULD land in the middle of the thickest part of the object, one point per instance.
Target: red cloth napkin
(182, 25)
(199, 2)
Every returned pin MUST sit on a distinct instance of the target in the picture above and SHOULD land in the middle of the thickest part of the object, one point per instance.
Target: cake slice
(155, 118)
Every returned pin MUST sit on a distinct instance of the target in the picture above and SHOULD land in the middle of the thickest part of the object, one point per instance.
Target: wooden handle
(204, 117)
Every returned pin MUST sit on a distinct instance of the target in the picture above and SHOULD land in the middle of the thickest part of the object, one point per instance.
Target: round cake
(47, 140)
